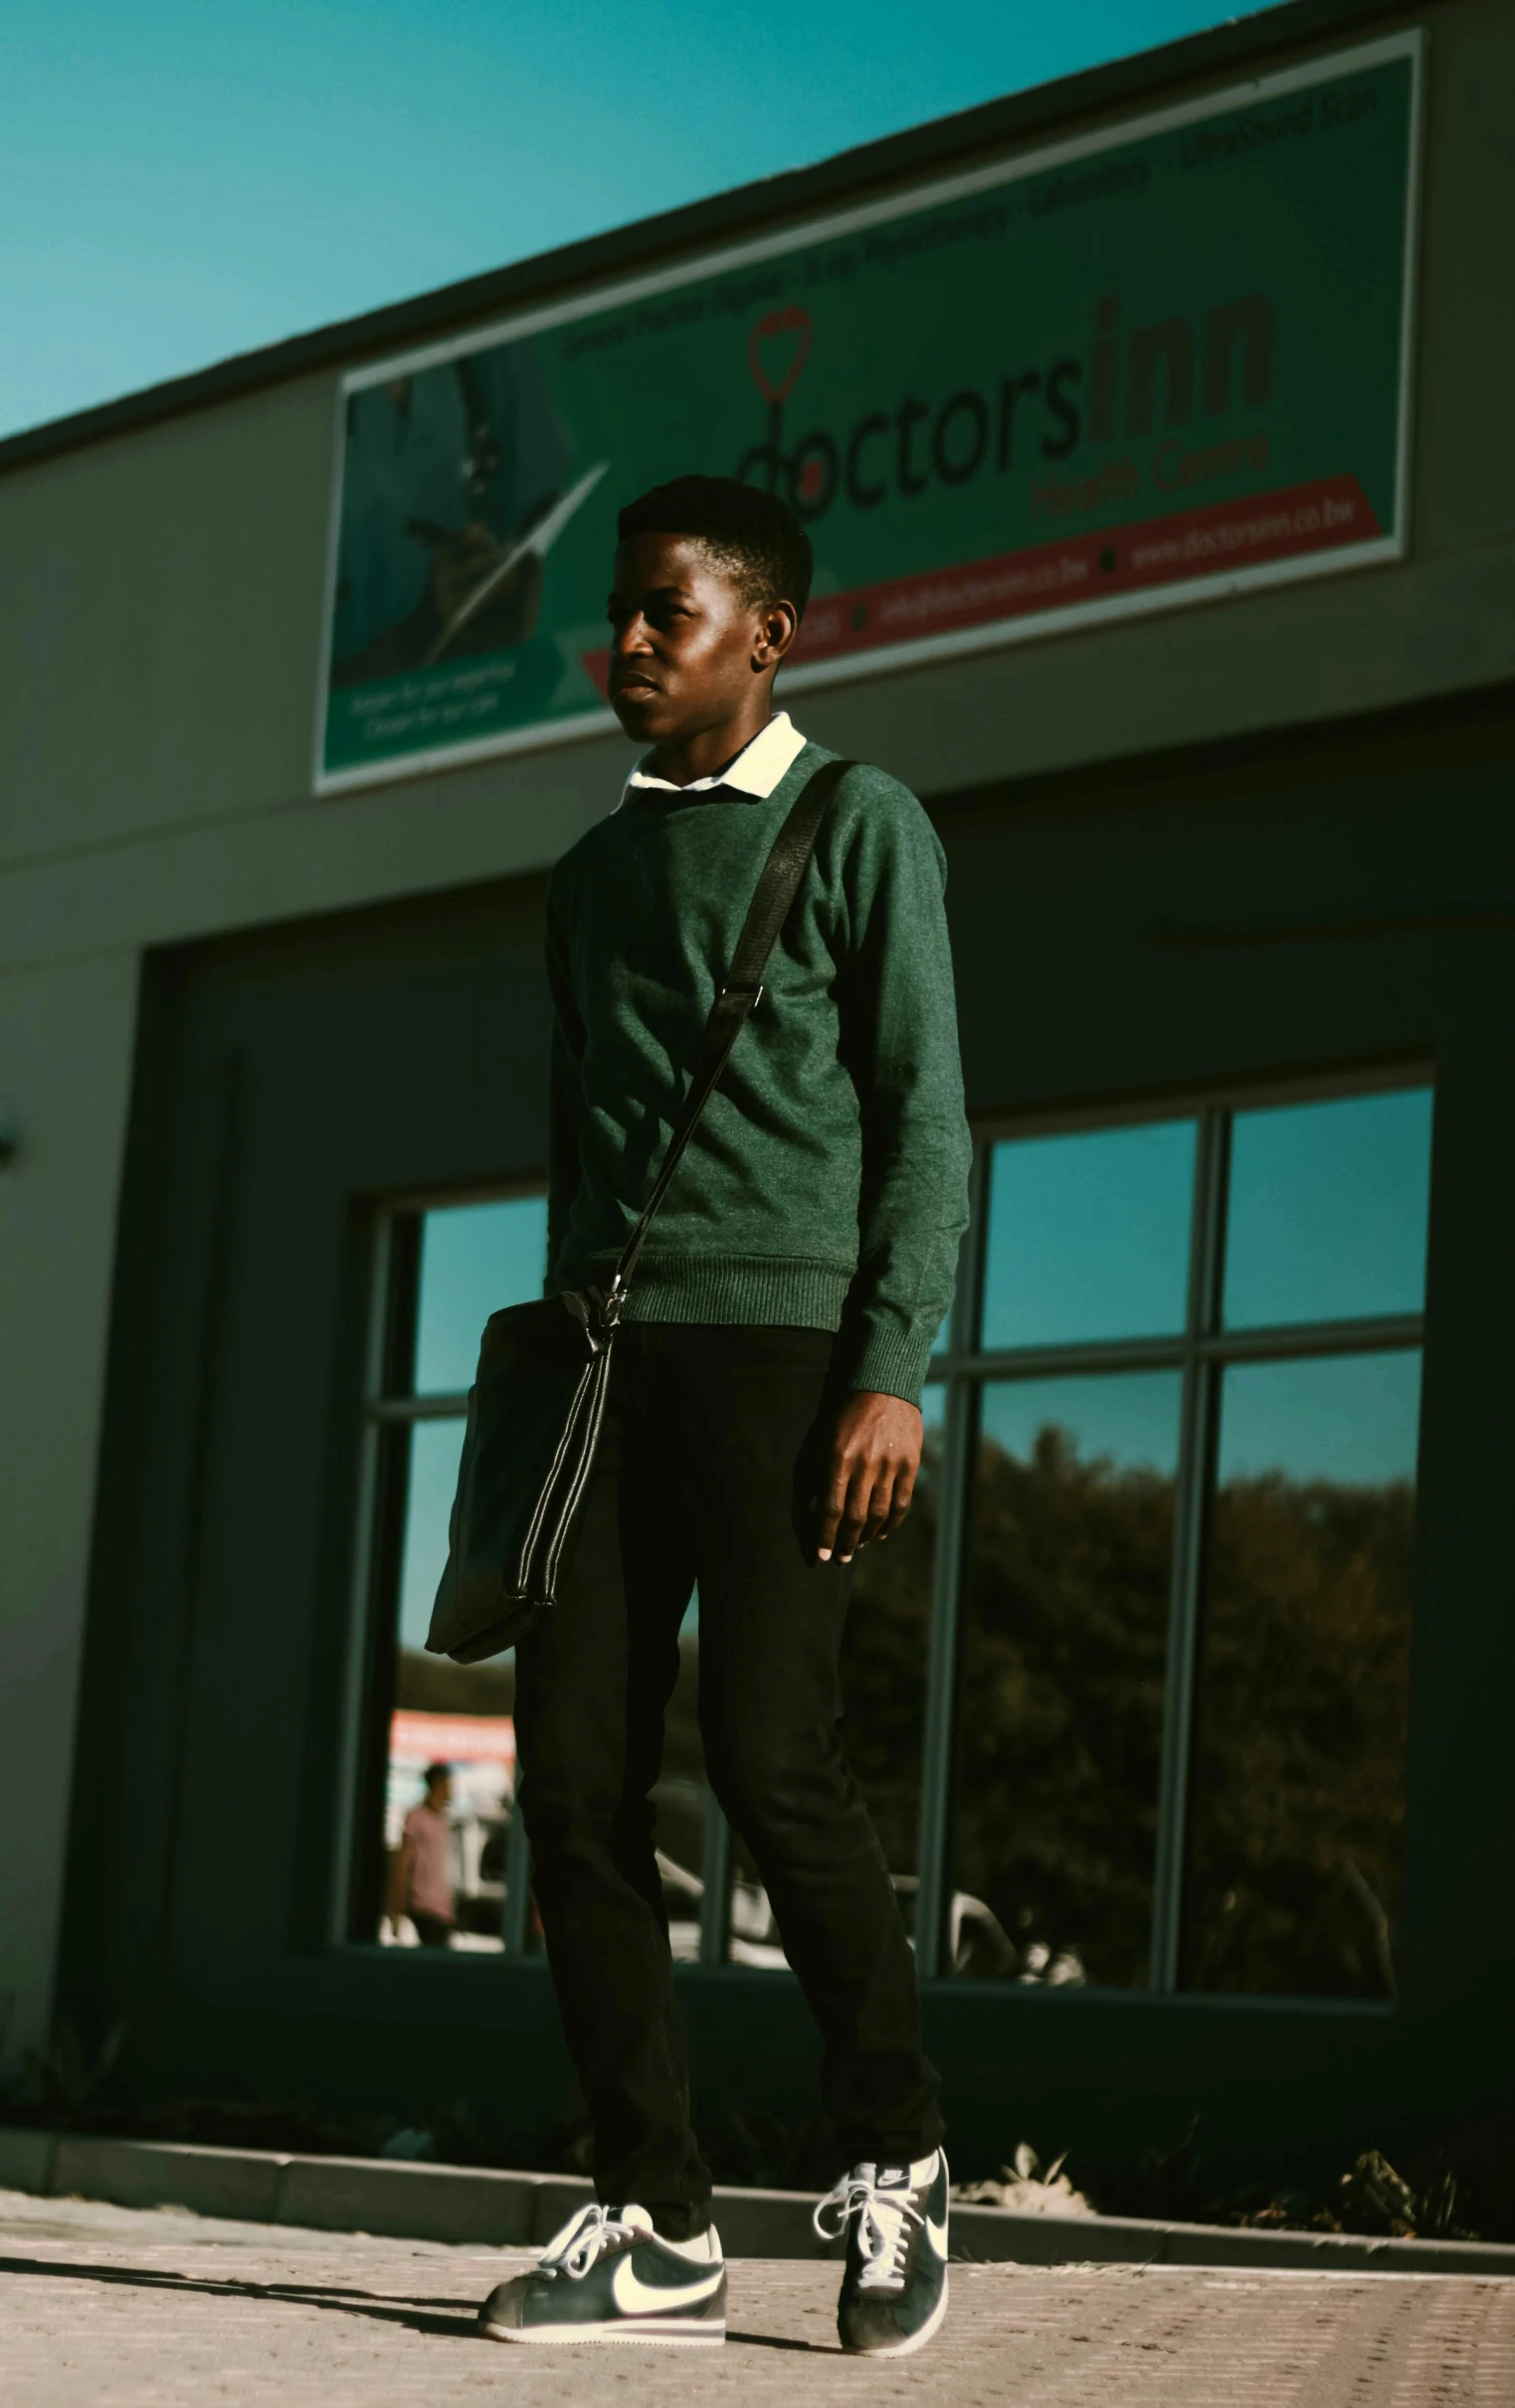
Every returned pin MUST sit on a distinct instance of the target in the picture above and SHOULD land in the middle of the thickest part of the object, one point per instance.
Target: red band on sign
(1224, 537)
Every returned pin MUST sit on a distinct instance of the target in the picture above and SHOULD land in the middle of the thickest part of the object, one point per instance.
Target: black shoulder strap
(735, 1002)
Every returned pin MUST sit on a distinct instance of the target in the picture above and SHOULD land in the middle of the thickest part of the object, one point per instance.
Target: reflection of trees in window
(1127, 1695)
(1298, 1832)
(1059, 1728)
(433, 1685)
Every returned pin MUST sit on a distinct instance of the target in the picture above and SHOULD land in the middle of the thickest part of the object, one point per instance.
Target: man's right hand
(875, 1464)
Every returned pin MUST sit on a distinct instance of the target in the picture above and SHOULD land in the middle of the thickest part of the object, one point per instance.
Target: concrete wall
(159, 606)
(65, 1042)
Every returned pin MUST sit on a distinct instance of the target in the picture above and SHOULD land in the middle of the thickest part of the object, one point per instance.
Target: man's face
(439, 1795)
(686, 648)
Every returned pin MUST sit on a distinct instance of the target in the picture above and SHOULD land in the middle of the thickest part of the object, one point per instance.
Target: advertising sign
(1157, 364)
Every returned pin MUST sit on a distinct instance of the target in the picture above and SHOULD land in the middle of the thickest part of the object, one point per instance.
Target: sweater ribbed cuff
(892, 1361)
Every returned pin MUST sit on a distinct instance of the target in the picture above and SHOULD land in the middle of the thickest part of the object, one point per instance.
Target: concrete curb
(458, 2203)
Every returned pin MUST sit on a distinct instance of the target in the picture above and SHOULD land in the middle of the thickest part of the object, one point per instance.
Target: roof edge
(847, 177)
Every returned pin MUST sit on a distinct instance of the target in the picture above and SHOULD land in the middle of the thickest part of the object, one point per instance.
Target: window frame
(1200, 1352)
(389, 1410)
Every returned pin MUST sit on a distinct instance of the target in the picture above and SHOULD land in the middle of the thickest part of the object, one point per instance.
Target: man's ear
(776, 629)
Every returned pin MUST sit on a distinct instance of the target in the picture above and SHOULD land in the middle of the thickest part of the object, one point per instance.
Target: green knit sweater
(826, 1186)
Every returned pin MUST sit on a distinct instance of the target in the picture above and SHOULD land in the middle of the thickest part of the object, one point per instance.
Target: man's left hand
(874, 1460)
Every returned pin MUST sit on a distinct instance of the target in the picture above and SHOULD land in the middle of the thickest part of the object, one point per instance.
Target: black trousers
(705, 1474)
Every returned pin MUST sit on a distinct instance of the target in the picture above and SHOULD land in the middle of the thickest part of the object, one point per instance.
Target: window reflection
(1289, 1839)
(1063, 1639)
(434, 1447)
(1328, 1210)
(474, 1258)
(1089, 1235)
(459, 1716)
(1298, 1815)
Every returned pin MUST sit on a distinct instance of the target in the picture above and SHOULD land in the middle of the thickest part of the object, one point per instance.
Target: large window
(1128, 1694)
(1185, 1386)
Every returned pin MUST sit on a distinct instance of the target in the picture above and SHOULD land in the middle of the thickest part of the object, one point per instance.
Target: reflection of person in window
(444, 469)
(421, 1870)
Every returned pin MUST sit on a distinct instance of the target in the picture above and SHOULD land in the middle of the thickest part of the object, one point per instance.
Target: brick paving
(113, 2307)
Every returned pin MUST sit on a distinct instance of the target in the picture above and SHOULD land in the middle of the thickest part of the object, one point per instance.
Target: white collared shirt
(756, 769)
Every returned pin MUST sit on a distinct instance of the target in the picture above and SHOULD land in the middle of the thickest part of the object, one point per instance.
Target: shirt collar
(755, 772)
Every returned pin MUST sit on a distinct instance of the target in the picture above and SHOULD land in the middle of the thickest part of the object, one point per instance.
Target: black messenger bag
(539, 1397)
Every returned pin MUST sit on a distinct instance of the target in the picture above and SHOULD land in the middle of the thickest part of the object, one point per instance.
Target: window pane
(1298, 1807)
(943, 1340)
(1328, 1210)
(475, 1260)
(458, 1715)
(1064, 1634)
(884, 1686)
(434, 1447)
(1089, 1235)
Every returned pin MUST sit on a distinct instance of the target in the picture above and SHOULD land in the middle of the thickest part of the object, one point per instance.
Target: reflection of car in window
(681, 1895)
(479, 1879)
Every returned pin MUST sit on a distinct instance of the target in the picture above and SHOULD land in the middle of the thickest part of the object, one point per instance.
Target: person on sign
(444, 471)
(763, 1420)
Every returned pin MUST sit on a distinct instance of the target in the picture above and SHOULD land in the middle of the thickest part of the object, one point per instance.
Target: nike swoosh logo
(936, 2234)
(635, 2298)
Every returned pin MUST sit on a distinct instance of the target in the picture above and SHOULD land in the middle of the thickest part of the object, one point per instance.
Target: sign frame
(926, 193)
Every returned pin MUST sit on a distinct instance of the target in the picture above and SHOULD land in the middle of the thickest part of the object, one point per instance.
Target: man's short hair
(754, 536)
(436, 1773)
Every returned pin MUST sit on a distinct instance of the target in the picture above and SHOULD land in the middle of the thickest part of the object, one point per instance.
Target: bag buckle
(595, 1314)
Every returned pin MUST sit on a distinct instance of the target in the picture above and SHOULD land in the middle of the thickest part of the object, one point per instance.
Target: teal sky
(179, 183)
(1088, 1235)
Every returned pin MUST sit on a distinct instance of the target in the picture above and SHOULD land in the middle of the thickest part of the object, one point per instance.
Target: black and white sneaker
(894, 2289)
(608, 2276)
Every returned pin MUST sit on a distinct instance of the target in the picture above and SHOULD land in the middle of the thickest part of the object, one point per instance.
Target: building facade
(1151, 429)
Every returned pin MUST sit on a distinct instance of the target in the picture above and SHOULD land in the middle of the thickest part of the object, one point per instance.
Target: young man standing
(763, 1420)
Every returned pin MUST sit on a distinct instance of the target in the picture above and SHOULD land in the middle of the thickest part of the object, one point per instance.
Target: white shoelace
(883, 2225)
(583, 2240)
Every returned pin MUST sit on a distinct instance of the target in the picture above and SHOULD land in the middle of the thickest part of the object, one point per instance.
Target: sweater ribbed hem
(735, 1291)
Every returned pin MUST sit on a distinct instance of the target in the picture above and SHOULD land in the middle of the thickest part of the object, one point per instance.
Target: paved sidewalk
(111, 2308)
